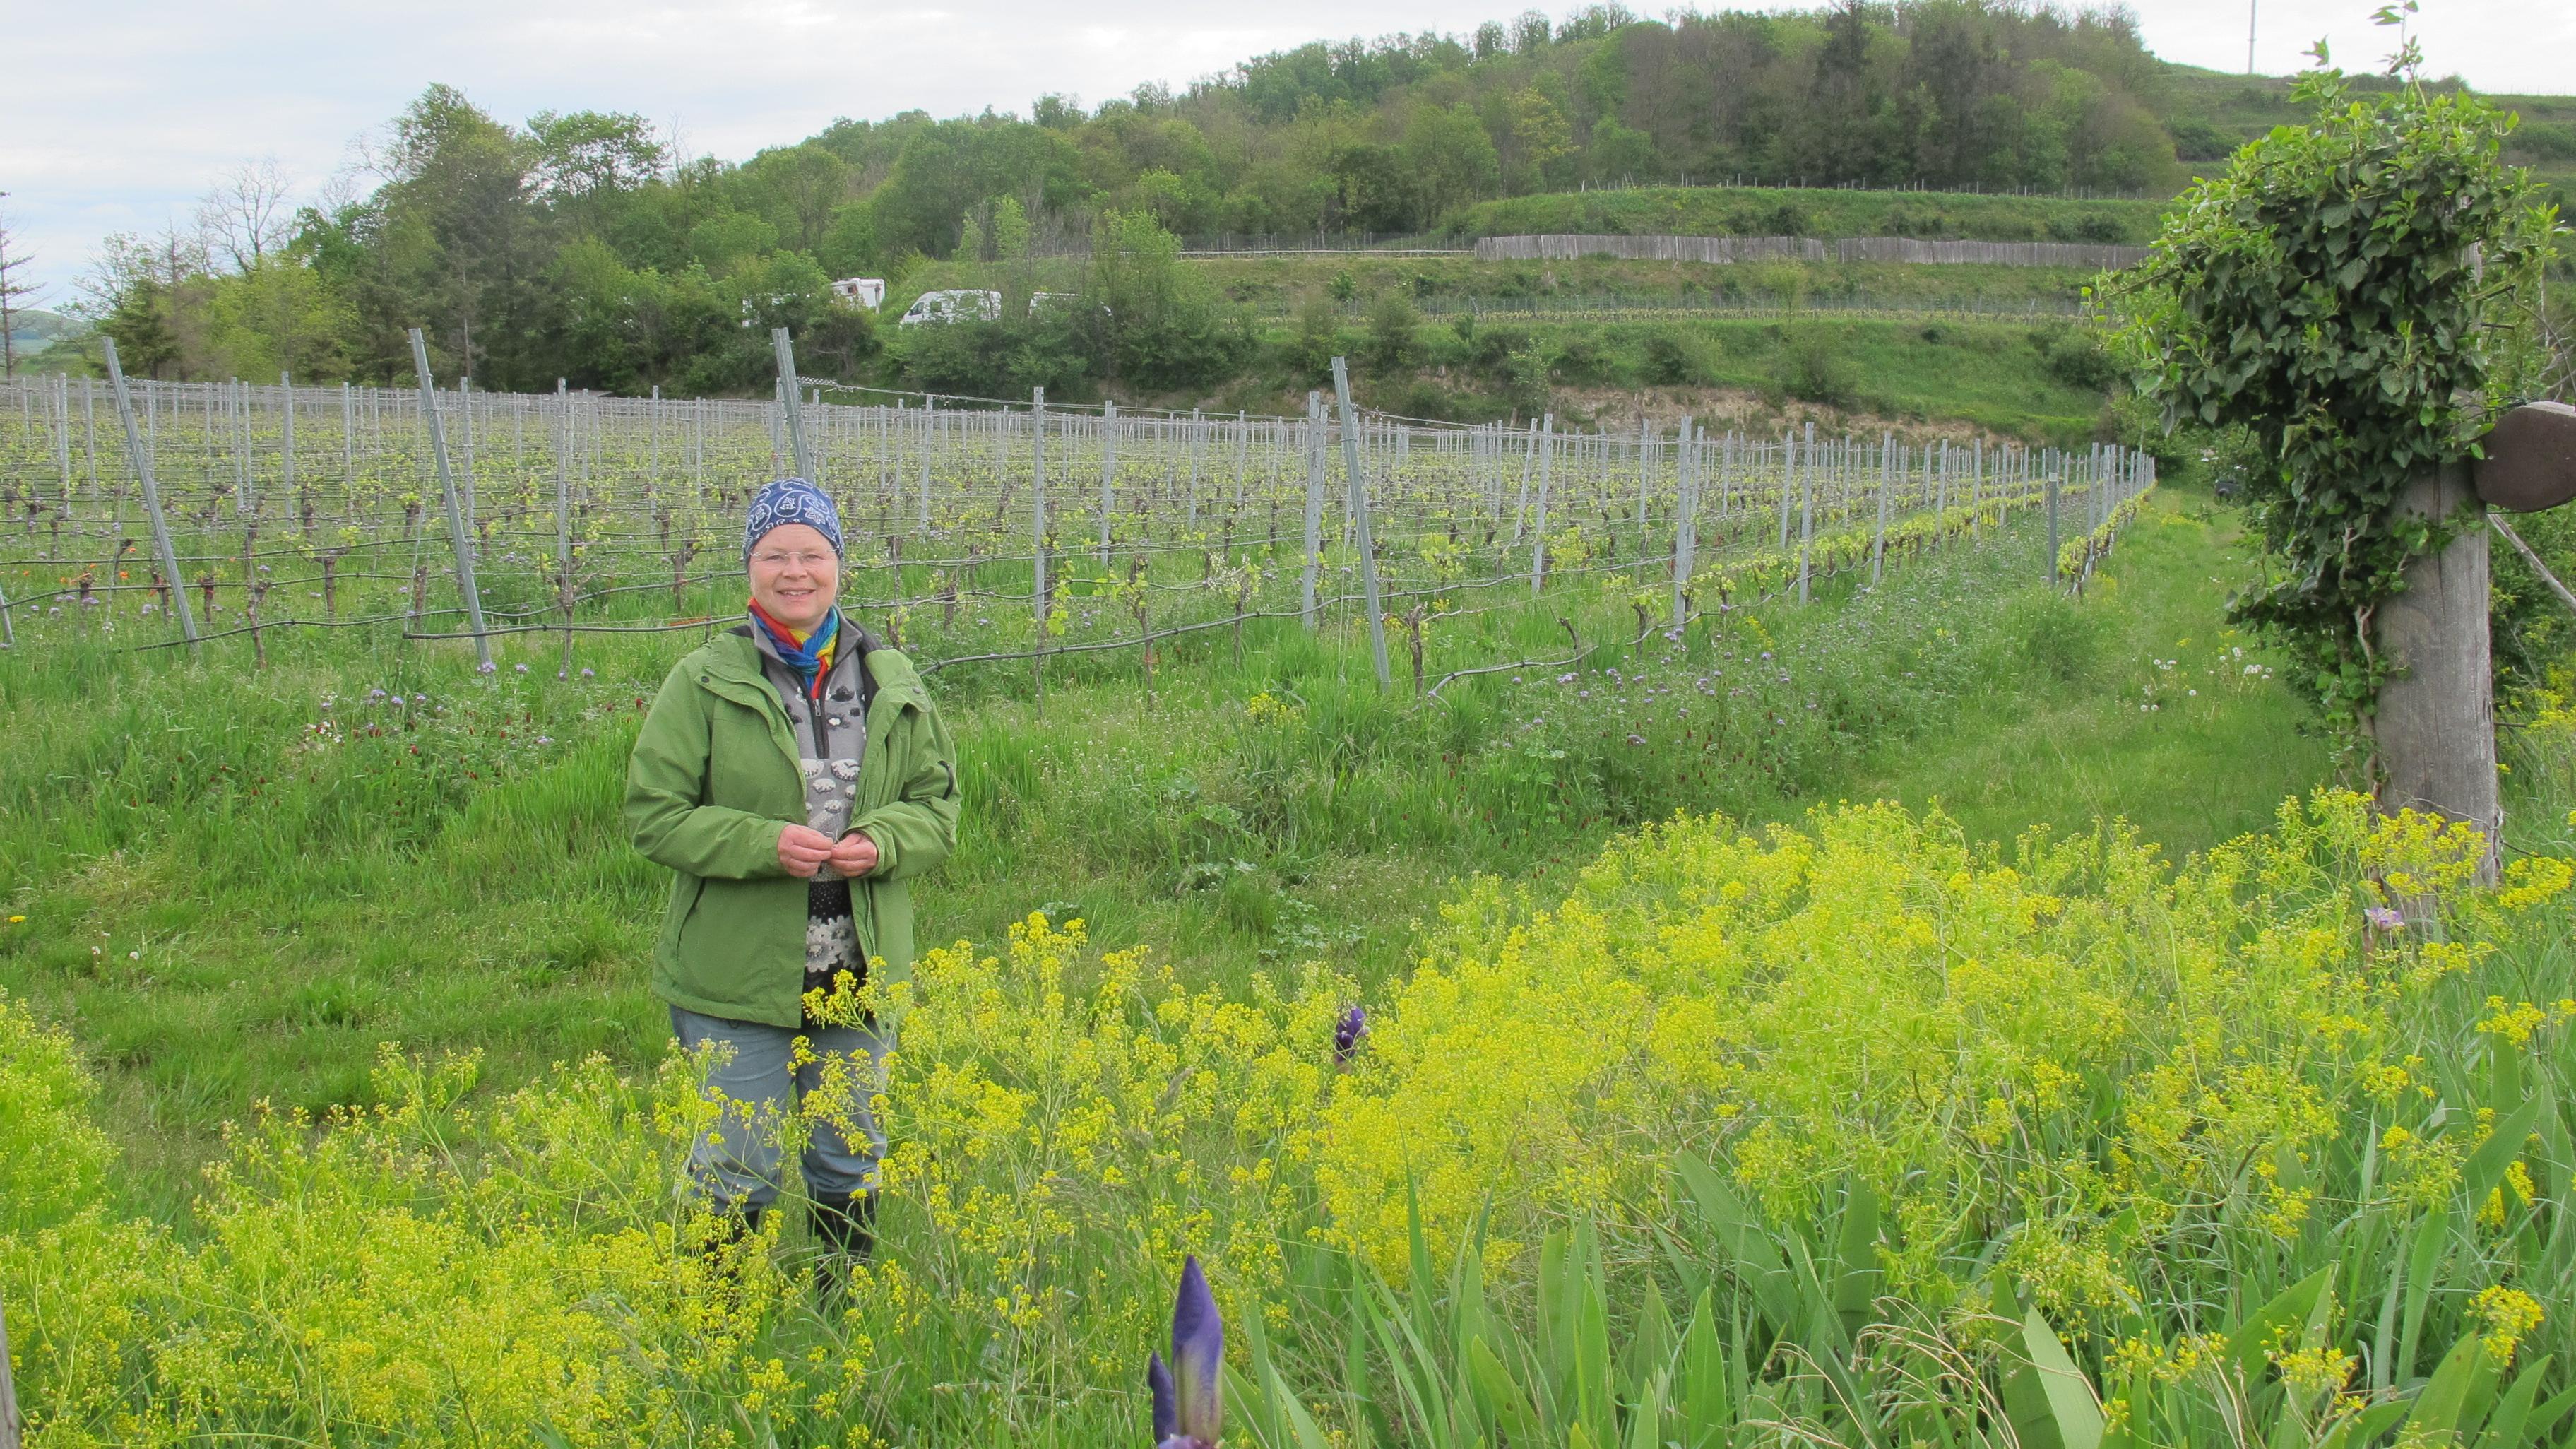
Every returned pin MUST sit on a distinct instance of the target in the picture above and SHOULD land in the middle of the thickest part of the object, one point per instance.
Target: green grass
(2173, 750)
(225, 912)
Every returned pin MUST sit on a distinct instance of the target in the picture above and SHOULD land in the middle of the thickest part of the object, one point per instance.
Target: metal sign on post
(2530, 461)
(457, 539)
(1360, 521)
(151, 493)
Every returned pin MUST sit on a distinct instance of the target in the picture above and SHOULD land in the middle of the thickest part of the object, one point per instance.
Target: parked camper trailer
(954, 305)
(868, 292)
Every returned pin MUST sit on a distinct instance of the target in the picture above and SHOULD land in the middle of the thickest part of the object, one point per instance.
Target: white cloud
(117, 118)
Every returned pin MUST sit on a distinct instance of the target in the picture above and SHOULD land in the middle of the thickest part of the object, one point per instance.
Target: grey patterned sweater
(831, 737)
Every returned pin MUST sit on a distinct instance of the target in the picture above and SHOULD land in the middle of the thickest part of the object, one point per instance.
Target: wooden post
(2435, 726)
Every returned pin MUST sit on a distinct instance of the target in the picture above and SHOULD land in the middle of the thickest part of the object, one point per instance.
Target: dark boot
(740, 1223)
(845, 1227)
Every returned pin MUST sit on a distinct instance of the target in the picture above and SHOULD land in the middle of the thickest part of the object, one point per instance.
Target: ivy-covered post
(2341, 303)
(2435, 721)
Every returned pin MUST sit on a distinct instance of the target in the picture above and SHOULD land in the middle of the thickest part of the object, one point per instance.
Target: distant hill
(577, 245)
(32, 329)
(2210, 113)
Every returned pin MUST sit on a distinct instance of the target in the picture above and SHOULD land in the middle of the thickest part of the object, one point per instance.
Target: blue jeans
(754, 1082)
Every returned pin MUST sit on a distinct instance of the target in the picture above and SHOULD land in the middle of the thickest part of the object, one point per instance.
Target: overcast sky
(117, 118)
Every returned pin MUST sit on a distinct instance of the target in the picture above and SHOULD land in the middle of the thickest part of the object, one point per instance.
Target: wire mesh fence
(979, 532)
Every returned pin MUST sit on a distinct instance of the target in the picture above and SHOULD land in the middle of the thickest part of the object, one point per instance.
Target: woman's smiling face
(794, 575)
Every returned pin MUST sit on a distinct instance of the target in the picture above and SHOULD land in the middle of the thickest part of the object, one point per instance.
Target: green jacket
(714, 779)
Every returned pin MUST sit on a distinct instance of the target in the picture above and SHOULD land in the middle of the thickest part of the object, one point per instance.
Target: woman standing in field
(794, 775)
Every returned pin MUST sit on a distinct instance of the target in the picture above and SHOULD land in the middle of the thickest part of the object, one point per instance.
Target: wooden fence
(1561, 247)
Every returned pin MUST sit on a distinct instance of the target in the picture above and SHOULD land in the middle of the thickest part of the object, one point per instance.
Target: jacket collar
(735, 657)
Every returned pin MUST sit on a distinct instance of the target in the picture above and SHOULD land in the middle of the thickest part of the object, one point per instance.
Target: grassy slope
(2189, 754)
(1986, 376)
(2242, 107)
(289, 907)
(1818, 212)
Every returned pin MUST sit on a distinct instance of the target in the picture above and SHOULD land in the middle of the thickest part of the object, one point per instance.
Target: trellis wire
(586, 518)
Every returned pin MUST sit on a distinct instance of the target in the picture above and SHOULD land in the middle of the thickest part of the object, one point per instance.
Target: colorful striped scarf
(810, 655)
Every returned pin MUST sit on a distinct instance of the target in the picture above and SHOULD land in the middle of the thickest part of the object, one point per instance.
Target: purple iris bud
(1188, 1408)
(1347, 1034)
(2383, 918)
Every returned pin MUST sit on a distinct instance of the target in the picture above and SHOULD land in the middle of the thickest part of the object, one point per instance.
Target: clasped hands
(803, 851)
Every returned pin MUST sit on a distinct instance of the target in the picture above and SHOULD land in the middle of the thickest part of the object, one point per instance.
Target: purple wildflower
(587, 673)
(2384, 918)
(520, 667)
(1347, 1034)
(1636, 739)
(1188, 1408)
(485, 667)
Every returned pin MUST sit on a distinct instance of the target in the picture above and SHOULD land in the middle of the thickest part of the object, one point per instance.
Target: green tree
(1540, 139)
(280, 316)
(585, 162)
(798, 188)
(458, 246)
(1449, 160)
(1394, 332)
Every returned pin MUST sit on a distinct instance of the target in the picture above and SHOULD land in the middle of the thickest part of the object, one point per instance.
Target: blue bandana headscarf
(791, 500)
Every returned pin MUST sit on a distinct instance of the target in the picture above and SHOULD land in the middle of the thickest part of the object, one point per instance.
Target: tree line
(582, 245)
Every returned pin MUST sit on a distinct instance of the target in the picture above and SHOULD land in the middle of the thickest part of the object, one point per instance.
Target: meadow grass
(1832, 1115)
(235, 891)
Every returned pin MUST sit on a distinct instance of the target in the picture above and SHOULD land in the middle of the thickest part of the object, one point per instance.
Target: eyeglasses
(810, 562)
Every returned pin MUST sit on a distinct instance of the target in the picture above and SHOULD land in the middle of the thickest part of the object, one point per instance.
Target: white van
(955, 305)
(868, 292)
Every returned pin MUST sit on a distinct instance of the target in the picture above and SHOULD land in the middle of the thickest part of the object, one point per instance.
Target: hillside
(580, 246)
